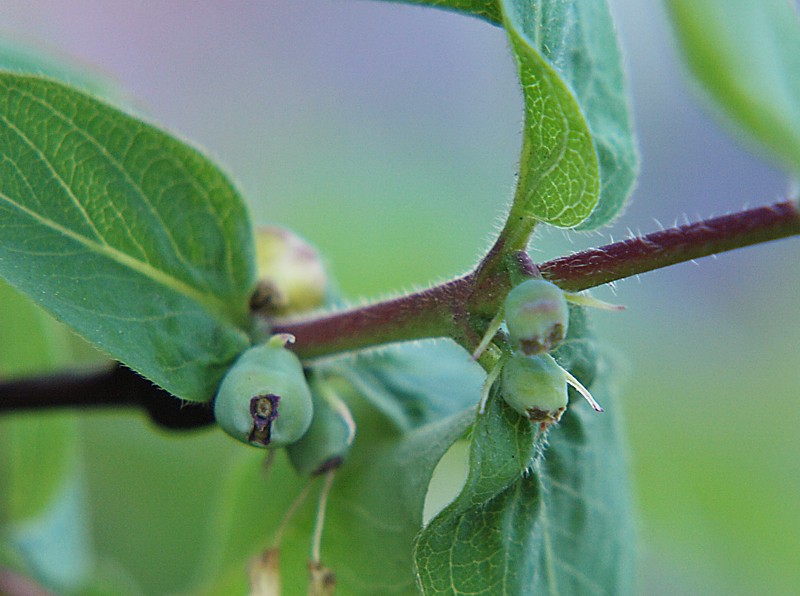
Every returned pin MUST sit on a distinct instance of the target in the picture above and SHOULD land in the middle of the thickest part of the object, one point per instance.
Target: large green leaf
(126, 234)
(746, 54)
(560, 526)
(535, 518)
(578, 154)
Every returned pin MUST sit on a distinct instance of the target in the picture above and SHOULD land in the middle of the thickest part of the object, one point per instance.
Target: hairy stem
(599, 266)
(442, 310)
(460, 309)
(429, 313)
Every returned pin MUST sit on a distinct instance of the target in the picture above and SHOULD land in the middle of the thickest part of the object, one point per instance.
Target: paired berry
(536, 387)
(264, 399)
(328, 440)
(537, 316)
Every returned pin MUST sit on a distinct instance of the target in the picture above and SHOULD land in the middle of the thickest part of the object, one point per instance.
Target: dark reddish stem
(459, 309)
(598, 266)
(428, 313)
(441, 310)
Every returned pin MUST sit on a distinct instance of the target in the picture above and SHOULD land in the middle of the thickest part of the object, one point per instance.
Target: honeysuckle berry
(264, 399)
(536, 387)
(537, 316)
(291, 274)
(330, 436)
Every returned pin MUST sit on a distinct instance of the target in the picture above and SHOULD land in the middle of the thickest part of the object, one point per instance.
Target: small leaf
(746, 55)
(555, 522)
(578, 154)
(129, 236)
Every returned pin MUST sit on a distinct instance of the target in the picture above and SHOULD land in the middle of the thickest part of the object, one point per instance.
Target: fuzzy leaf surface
(124, 233)
(747, 57)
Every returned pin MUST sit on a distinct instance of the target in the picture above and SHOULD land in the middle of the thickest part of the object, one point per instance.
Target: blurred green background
(388, 135)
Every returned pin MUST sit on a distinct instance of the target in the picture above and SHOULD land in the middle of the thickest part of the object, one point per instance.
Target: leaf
(578, 154)
(124, 233)
(525, 523)
(484, 9)
(747, 57)
(416, 384)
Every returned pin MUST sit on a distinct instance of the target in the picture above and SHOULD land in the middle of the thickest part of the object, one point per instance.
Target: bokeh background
(389, 134)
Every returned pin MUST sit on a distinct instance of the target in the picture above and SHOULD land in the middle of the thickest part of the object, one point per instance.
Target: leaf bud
(537, 316)
(536, 387)
(264, 399)
(291, 274)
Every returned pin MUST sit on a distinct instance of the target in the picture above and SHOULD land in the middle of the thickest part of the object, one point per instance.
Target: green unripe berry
(264, 399)
(330, 436)
(291, 274)
(537, 316)
(536, 387)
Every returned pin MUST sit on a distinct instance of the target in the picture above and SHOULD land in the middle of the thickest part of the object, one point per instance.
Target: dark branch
(415, 316)
(116, 386)
(439, 307)
(454, 309)
(598, 266)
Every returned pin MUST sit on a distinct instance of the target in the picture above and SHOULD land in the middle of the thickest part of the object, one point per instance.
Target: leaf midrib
(212, 304)
(117, 165)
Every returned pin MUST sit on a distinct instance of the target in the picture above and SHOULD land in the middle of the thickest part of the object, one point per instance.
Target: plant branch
(609, 263)
(460, 309)
(115, 386)
(441, 310)
(428, 313)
